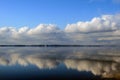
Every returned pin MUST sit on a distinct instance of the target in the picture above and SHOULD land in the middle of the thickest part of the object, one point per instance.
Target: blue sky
(19, 13)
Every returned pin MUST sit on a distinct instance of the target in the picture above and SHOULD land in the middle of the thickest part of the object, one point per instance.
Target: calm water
(69, 63)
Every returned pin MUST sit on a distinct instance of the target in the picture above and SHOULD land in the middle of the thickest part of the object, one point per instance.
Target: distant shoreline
(59, 45)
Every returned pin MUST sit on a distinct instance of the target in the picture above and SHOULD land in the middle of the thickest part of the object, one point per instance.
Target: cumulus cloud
(102, 30)
(42, 28)
(42, 34)
(99, 30)
(97, 24)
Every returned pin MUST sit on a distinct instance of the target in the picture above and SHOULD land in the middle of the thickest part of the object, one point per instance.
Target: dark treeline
(59, 45)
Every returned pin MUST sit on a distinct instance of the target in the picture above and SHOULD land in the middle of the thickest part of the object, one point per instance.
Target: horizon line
(58, 45)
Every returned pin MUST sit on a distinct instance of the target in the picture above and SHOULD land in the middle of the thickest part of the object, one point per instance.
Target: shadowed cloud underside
(99, 30)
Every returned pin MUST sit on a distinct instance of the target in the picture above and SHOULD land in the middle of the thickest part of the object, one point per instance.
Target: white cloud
(43, 28)
(23, 30)
(100, 29)
(42, 34)
(97, 24)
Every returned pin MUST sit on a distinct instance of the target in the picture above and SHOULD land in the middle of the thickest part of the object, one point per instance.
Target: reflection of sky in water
(99, 61)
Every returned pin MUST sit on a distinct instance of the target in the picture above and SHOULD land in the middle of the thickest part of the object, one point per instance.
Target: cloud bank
(99, 30)
(97, 24)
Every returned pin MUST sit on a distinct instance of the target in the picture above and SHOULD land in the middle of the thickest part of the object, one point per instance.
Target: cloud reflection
(103, 62)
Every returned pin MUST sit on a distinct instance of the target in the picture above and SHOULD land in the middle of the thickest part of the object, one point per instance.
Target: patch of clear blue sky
(19, 13)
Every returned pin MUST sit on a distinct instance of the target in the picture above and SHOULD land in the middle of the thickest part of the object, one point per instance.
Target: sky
(60, 21)
(19, 13)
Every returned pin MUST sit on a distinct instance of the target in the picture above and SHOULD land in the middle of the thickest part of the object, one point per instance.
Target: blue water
(31, 63)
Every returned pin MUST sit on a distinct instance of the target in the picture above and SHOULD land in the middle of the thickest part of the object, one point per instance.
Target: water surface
(70, 63)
